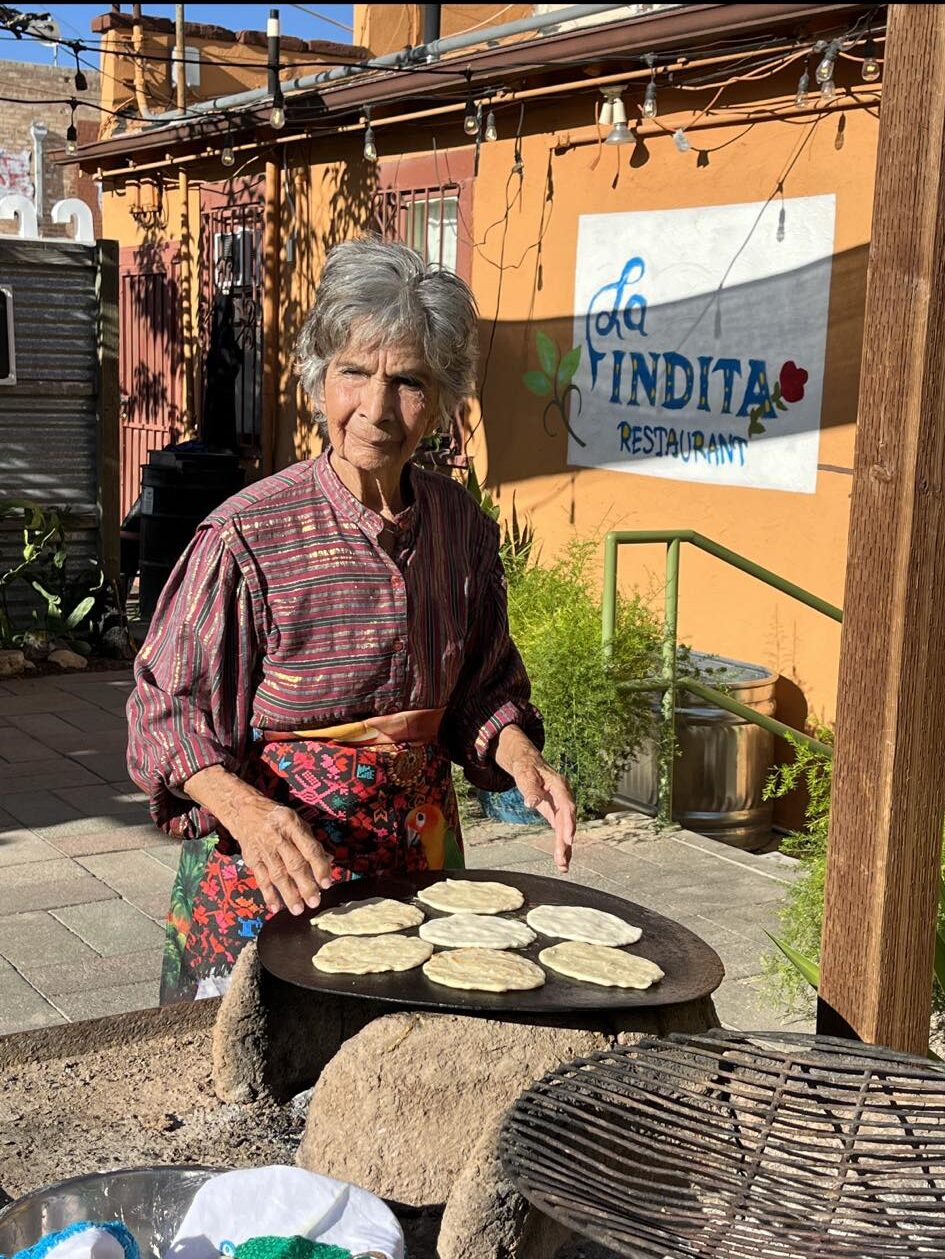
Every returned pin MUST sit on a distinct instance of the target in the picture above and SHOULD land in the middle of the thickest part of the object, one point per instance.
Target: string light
(870, 70)
(492, 132)
(681, 141)
(72, 136)
(81, 82)
(828, 90)
(471, 118)
(803, 87)
(826, 68)
(649, 99)
(227, 156)
(370, 148)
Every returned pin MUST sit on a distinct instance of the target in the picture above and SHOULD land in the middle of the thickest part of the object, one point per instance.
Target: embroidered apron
(378, 796)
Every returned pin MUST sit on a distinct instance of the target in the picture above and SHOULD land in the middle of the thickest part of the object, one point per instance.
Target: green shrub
(592, 724)
(803, 912)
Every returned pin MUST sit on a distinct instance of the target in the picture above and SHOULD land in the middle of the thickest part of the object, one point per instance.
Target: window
(431, 225)
(234, 255)
(7, 341)
(427, 204)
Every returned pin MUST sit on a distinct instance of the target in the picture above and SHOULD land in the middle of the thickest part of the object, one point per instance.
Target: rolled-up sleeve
(493, 689)
(192, 703)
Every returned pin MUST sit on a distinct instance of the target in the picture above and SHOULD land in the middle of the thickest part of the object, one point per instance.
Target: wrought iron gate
(150, 359)
(231, 271)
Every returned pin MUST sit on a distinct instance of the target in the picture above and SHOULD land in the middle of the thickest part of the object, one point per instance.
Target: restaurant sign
(702, 334)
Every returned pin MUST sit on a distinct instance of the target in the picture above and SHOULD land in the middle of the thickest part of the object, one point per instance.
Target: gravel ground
(145, 1102)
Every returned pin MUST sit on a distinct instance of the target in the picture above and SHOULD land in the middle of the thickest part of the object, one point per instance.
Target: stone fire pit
(406, 1104)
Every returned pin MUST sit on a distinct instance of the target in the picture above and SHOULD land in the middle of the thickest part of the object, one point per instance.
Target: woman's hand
(541, 787)
(286, 860)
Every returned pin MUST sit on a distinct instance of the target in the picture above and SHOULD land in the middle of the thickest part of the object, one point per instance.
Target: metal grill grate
(739, 1146)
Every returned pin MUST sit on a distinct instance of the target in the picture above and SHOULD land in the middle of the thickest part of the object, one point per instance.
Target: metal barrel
(723, 761)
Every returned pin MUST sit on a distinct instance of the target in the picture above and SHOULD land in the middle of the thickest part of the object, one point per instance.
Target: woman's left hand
(542, 788)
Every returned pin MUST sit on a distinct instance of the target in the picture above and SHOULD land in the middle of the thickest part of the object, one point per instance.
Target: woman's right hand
(288, 863)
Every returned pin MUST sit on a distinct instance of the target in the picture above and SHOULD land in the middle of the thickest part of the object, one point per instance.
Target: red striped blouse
(291, 611)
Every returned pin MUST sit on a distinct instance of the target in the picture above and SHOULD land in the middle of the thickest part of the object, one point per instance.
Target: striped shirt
(297, 607)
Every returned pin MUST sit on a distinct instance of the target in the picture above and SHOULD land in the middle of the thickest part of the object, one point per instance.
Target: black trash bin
(178, 489)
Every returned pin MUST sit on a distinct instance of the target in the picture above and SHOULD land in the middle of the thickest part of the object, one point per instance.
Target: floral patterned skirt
(380, 809)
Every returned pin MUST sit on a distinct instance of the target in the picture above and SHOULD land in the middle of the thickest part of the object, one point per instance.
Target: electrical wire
(322, 17)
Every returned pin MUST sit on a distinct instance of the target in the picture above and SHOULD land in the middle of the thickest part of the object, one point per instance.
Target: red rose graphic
(792, 381)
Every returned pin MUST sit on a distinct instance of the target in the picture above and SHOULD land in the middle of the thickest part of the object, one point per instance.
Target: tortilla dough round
(599, 964)
(577, 922)
(374, 916)
(463, 896)
(477, 931)
(369, 955)
(483, 970)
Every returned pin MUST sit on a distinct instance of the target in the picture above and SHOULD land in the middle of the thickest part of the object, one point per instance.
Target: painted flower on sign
(789, 389)
(792, 381)
(554, 380)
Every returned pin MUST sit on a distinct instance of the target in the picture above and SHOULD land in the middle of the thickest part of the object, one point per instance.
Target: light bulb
(870, 70)
(72, 145)
(471, 118)
(803, 86)
(277, 117)
(680, 140)
(620, 133)
(828, 90)
(826, 67)
(227, 157)
(370, 148)
(491, 130)
(649, 100)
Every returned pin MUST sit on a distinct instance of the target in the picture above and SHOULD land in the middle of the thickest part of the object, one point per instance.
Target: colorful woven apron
(379, 798)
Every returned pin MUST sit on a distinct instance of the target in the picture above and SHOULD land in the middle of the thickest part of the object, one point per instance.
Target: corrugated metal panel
(49, 418)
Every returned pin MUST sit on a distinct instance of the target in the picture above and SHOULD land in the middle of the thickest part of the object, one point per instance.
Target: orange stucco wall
(801, 536)
(524, 233)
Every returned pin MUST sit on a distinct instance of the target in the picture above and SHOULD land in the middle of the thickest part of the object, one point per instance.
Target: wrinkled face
(379, 402)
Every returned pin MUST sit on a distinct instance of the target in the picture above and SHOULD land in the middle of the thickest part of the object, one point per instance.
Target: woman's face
(379, 402)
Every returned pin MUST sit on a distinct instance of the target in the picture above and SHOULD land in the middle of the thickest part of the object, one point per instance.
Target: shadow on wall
(331, 204)
(700, 383)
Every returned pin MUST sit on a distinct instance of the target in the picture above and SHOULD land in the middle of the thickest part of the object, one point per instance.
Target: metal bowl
(150, 1201)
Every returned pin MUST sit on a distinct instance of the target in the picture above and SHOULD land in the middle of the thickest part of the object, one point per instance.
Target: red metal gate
(150, 358)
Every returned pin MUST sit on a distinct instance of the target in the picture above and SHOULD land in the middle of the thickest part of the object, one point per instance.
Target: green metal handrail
(669, 684)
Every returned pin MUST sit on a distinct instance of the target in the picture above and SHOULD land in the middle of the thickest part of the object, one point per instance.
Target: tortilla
(462, 931)
(599, 964)
(374, 916)
(370, 955)
(483, 970)
(463, 896)
(577, 922)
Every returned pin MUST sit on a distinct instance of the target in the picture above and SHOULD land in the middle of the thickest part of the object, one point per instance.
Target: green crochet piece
(289, 1248)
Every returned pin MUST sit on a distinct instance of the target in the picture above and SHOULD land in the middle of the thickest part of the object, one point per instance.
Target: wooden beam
(889, 769)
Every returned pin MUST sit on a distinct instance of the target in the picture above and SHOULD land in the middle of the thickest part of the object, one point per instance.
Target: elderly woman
(335, 636)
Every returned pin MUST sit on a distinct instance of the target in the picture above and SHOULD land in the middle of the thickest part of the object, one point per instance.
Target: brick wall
(16, 145)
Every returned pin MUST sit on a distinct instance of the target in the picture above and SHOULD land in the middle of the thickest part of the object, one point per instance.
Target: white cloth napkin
(231, 1208)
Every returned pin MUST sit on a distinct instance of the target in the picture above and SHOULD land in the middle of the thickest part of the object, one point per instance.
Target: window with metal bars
(427, 204)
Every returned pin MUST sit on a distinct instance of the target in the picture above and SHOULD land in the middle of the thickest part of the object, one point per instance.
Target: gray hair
(384, 292)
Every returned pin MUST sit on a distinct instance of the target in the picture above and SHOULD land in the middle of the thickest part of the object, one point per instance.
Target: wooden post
(189, 417)
(109, 441)
(889, 776)
(272, 240)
